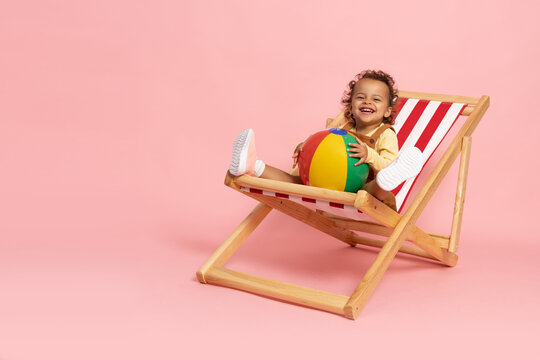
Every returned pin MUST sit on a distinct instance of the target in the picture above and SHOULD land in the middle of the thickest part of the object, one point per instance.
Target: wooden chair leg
(460, 194)
(233, 242)
(372, 277)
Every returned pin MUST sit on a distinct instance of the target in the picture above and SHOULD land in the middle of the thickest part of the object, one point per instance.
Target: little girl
(368, 114)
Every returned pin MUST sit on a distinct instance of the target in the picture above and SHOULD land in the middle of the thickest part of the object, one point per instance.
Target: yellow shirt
(386, 148)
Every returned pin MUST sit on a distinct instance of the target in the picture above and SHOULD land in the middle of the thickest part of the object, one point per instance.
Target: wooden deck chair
(422, 120)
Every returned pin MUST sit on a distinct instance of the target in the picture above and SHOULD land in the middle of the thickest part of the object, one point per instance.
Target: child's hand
(296, 152)
(358, 150)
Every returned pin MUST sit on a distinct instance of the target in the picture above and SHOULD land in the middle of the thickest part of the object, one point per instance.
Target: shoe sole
(408, 164)
(240, 152)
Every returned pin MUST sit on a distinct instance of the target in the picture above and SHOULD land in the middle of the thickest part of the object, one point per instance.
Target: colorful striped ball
(324, 162)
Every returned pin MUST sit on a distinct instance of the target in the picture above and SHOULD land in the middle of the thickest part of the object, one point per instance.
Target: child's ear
(388, 112)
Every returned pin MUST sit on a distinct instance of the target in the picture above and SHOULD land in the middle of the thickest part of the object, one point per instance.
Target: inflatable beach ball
(324, 162)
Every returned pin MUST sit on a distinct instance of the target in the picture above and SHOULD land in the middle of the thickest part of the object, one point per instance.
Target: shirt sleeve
(386, 151)
(338, 122)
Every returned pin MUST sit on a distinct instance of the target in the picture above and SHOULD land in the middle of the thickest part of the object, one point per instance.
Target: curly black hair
(375, 75)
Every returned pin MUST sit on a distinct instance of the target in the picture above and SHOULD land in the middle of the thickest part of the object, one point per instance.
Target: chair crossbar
(296, 294)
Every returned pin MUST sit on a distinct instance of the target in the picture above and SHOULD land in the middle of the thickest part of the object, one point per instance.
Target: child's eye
(377, 99)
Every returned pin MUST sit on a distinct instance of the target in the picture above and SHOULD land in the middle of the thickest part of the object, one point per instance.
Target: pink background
(116, 122)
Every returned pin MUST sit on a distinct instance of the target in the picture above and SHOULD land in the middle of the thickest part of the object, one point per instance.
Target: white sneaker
(244, 156)
(407, 165)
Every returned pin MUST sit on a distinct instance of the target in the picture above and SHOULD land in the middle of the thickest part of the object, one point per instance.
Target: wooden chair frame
(391, 224)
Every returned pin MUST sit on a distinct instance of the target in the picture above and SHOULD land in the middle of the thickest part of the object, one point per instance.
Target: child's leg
(386, 197)
(244, 161)
(273, 173)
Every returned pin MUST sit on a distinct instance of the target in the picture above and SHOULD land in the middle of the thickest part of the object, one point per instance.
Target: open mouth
(366, 110)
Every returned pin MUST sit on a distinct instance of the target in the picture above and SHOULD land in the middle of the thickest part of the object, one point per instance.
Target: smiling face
(370, 103)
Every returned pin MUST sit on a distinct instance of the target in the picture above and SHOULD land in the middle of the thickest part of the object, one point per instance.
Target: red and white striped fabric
(314, 204)
(419, 123)
(423, 124)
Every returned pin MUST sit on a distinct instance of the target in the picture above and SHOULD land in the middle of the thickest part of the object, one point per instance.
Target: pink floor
(116, 121)
(125, 291)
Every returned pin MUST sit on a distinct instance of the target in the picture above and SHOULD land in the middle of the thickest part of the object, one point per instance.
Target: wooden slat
(403, 249)
(311, 192)
(440, 236)
(364, 226)
(301, 295)
(233, 242)
(439, 97)
(460, 193)
(442, 240)
(470, 101)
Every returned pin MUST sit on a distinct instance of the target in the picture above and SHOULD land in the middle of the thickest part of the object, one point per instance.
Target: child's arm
(337, 122)
(330, 123)
(297, 152)
(387, 151)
